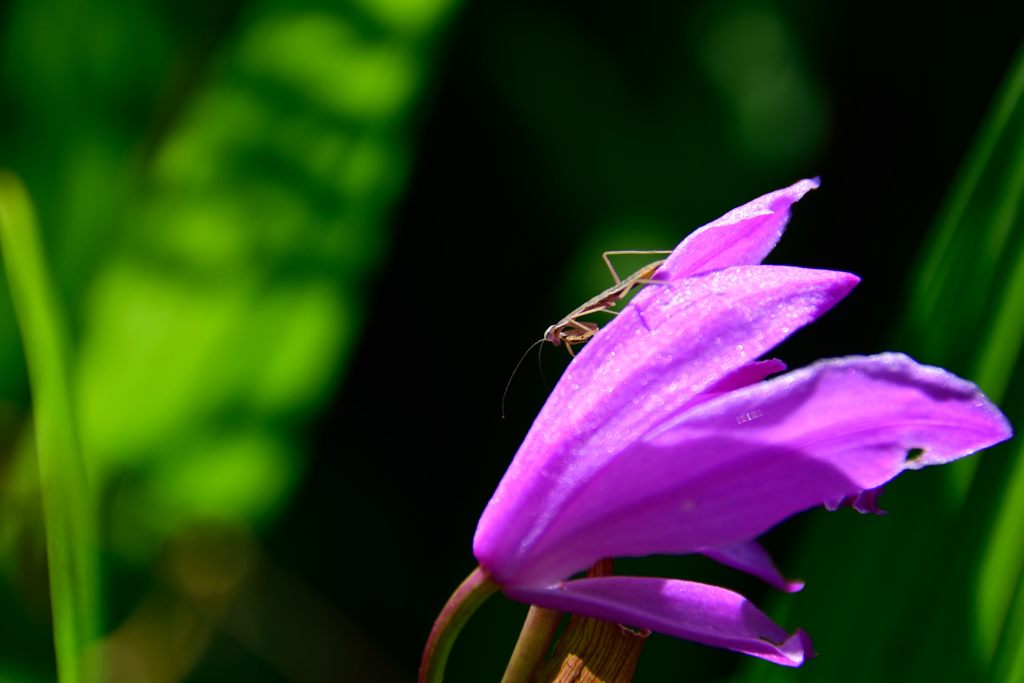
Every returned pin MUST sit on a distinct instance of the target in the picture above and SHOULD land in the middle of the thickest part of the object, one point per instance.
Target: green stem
(533, 644)
(537, 633)
(472, 593)
(68, 511)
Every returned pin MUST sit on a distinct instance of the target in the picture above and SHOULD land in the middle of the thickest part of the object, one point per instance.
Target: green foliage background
(301, 246)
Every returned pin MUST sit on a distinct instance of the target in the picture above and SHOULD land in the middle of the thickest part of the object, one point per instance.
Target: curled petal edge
(865, 502)
(683, 609)
(752, 558)
(743, 376)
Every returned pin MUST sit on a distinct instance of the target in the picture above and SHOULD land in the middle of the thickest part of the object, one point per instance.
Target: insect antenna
(516, 369)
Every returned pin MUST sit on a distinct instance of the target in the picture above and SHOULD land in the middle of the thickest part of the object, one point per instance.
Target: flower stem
(68, 511)
(470, 594)
(533, 644)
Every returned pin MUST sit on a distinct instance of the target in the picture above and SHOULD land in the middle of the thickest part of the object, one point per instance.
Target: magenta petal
(748, 374)
(678, 340)
(733, 467)
(643, 368)
(744, 236)
(752, 558)
(751, 373)
(694, 611)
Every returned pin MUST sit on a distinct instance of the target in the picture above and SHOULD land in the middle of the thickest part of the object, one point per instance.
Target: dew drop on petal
(749, 416)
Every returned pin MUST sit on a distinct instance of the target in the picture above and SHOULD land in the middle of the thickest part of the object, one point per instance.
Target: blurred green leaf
(217, 181)
(236, 479)
(224, 315)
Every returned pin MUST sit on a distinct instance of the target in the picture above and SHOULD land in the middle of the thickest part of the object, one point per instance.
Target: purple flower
(663, 437)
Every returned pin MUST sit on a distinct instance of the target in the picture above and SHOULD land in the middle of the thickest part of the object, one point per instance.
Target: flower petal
(735, 466)
(643, 368)
(743, 376)
(744, 236)
(694, 611)
(753, 559)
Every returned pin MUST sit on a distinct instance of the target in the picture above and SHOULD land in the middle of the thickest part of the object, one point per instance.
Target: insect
(572, 331)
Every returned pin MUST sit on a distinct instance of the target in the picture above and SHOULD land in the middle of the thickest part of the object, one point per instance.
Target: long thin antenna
(514, 371)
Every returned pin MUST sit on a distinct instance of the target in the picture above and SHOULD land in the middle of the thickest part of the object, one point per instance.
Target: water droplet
(749, 416)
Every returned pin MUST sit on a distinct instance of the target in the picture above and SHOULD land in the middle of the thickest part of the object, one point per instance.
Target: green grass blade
(67, 505)
(1008, 663)
(967, 312)
(944, 257)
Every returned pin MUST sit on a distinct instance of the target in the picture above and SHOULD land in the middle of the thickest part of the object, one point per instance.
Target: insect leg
(627, 252)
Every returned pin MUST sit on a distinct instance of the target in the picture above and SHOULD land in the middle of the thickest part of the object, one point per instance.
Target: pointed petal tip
(782, 200)
(752, 558)
(845, 283)
(980, 423)
(796, 650)
(794, 585)
(743, 236)
(849, 279)
(982, 419)
(802, 187)
(830, 287)
(788, 585)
